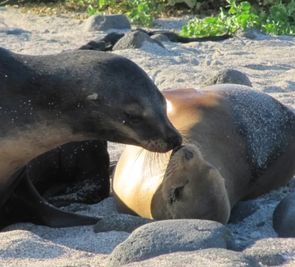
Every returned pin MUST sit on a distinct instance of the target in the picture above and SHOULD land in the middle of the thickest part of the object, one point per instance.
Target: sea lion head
(93, 94)
(191, 188)
(122, 104)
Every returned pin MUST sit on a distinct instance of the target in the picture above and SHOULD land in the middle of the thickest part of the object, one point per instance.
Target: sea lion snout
(173, 140)
(161, 138)
(162, 145)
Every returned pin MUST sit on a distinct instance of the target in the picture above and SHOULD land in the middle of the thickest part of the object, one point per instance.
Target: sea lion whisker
(139, 153)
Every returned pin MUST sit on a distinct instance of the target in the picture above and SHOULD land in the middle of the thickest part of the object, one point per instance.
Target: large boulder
(105, 23)
(272, 251)
(168, 236)
(134, 39)
(120, 222)
(213, 257)
(229, 76)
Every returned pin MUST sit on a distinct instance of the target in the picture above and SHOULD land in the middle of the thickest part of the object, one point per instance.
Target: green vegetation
(141, 12)
(270, 16)
(277, 19)
(226, 16)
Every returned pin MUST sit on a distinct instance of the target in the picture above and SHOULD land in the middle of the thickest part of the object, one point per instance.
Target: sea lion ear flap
(93, 96)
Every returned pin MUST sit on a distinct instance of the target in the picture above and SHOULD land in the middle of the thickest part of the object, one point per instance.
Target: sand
(269, 63)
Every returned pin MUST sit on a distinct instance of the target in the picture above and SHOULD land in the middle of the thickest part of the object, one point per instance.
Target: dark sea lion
(51, 100)
(238, 143)
(74, 172)
(108, 42)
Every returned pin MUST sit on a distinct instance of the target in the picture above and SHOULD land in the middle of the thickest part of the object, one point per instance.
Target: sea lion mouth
(160, 145)
(155, 146)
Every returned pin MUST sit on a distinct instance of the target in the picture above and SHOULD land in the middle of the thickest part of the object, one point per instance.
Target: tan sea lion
(238, 143)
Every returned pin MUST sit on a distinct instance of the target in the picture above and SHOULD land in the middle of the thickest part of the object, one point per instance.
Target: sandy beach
(269, 62)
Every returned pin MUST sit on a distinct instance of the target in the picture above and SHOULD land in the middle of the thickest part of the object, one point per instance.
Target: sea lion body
(238, 143)
(47, 101)
(76, 172)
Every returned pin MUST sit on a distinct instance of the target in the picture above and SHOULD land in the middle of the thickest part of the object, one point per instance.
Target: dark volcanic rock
(272, 251)
(213, 257)
(14, 31)
(134, 40)
(229, 76)
(168, 236)
(253, 34)
(104, 23)
(120, 222)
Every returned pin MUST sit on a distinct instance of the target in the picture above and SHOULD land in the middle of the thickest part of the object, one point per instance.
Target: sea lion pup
(47, 101)
(238, 143)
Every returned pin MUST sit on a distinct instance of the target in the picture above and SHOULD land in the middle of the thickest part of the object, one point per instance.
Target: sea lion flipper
(46, 214)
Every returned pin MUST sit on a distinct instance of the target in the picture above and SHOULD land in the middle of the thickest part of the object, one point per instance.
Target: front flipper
(28, 205)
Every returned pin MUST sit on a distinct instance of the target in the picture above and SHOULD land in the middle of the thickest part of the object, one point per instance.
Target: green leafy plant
(238, 16)
(142, 11)
(271, 16)
(279, 19)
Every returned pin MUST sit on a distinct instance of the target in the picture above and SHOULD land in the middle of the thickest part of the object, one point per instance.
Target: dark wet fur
(54, 90)
(107, 43)
(65, 168)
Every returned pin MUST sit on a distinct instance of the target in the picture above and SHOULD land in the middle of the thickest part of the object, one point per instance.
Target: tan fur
(143, 184)
(186, 101)
(201, 183)
(19, 149)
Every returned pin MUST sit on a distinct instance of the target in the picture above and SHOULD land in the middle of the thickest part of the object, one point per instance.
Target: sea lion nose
(174, 140)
